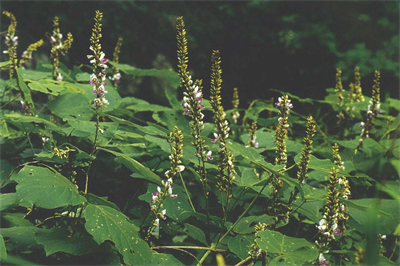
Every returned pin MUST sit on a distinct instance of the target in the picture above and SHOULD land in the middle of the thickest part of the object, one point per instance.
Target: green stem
(187, 192)
(247, 209)
(240, 217)
(97, 129)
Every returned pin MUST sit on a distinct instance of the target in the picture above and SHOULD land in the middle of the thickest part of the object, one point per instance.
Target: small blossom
(209, 156)
(322, 259)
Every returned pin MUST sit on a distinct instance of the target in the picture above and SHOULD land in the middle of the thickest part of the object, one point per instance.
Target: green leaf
(82, 77)
(45, 189)
(21, 238)
(240, 245)
(112, 95)
(34, 74)
(288, 250)
(162, 143)
(388, 214)
(60, 240)
(3, 250)
(47, 86)
(395, 124)
(246, 224)
(135, 166)
(196, 233)
(324, 165)
(8, 200)
(25, 91)
(17, 118)
(73, 105)
(96, 200)
(169, 74)
(106, 223)
(148, 107)
(165, 259)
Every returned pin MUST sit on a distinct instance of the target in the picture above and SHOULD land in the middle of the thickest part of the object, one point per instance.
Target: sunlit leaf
(287, 250)
(45, 189)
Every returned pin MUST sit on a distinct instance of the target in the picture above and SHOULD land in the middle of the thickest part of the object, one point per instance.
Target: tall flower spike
(176, 138)
(372, 111)
(358, 97)
(11, 40)
(252, 135)
(235, 104)
(226, 169)
(27, 55)
(339, 86)
(58, 47)
(284, 105)
(328, 225)
(100, 64)
(192, 102)
(306, 151)
(116, 74)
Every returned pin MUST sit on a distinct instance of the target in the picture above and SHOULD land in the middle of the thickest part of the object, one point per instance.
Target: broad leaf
(8, 200)
(240, 245)
(71, 105)
(196, 233)
(135, 166)
(60, 240)
(96, 200)
(21, 238)
(47, 86)
(169, 74)
(106, 223)
(45, 189)
(287, 250)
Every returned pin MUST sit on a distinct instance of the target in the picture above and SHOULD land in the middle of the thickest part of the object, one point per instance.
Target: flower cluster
(100, 64)
(176, 138)
(372, 111)
(235, 104)
(255, 251)
(339, 86)
(116, 75)
(306, 151)
(328, 225)
(252, 135)
(27, 54)
(58, 47)
(374, 104)
(357, 91)
(192, 99)
(226, 169)
(284, 105)
(337, 158)
(11, 40)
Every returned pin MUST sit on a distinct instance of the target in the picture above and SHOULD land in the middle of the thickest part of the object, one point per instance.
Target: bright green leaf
(240, 245)
(3, 250)
(25, 91)
(293, 251)
(8, 200)
(45, 189)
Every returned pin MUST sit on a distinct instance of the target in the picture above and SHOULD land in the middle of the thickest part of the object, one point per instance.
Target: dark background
(292, 46)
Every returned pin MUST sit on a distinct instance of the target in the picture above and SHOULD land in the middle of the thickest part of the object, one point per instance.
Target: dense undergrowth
(89, 177)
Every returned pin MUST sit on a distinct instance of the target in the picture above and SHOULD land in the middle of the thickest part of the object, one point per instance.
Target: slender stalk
(233, 226)
(187, 192)
(189, 247)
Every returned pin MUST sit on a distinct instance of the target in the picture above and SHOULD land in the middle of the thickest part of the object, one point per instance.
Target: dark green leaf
(106, 223)
(47, 86)
(196, 233)
(96, 200)
(240, 245)
(25, 91)
(73, 105)
(60, 240)
(135, 166)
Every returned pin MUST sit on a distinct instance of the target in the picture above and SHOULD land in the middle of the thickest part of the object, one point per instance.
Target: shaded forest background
(264, 45)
